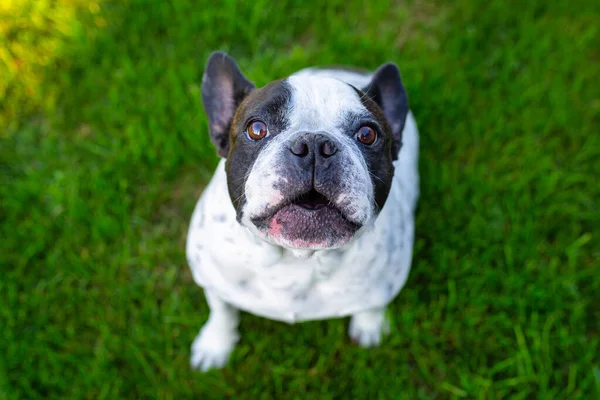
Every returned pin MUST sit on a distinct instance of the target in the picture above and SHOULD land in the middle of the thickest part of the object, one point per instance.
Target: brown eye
(257, 130)
(366, 135)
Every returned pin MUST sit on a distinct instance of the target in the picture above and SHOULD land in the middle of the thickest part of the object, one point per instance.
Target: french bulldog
(310, 213)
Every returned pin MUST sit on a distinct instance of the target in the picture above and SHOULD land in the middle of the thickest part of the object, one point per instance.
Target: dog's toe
(204, 360)
(367, 329)
(211, 348)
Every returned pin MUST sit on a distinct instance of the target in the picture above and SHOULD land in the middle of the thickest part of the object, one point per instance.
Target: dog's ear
(387, 90)
(223, 89)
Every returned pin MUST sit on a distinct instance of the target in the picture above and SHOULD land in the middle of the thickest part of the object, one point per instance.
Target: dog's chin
(295, 226)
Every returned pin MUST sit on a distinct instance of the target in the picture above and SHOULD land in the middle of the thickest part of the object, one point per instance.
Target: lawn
(104, 150)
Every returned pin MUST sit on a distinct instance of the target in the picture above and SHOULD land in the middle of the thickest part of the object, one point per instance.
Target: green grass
(99, 182)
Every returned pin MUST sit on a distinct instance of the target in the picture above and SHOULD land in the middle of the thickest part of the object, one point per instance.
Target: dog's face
(309, 159)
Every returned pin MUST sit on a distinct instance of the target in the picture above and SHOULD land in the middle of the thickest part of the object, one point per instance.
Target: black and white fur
(252, 248)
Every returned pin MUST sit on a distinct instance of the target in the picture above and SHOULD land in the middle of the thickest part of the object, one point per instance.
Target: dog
(310, 213)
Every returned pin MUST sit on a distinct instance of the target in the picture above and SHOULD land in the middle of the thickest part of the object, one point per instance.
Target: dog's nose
(326, 147)
(301, 147)
(313, 145)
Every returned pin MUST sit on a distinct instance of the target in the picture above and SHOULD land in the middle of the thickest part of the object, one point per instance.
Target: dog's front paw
(368, 327)
(212, 347)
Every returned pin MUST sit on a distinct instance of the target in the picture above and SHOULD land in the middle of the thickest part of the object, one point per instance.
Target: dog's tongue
(321, 226)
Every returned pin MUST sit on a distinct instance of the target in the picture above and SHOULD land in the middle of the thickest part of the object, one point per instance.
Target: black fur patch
(379, 155)
(387, 91)
(268, 104)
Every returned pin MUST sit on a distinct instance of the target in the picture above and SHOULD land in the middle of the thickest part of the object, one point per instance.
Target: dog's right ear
(223, 89)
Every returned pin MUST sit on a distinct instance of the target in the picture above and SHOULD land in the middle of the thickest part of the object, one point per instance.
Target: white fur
(318, 102)
(359, 81)
(218, 336)
(367, 327)
(237, 269)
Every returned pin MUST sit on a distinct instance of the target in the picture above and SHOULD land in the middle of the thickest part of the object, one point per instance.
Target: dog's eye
(257, 130)
(366, 135)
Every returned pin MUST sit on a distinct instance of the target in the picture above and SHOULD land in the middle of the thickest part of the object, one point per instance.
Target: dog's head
(308, 158)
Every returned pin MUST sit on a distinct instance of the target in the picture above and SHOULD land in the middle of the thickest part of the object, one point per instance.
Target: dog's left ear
(387, 90)
(223, 89)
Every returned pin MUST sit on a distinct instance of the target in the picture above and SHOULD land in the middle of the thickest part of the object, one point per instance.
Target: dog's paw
(212, 347)
(367, 328)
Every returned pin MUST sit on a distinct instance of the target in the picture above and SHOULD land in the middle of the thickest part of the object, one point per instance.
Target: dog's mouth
(311, 201)
(309, 221)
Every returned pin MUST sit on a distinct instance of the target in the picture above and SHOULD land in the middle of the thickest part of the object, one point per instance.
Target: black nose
(313, 144)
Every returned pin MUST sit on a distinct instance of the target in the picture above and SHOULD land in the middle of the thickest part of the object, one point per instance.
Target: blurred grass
(104, 152)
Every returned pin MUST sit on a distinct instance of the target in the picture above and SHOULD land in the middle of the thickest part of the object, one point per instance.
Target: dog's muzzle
(312, 212)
